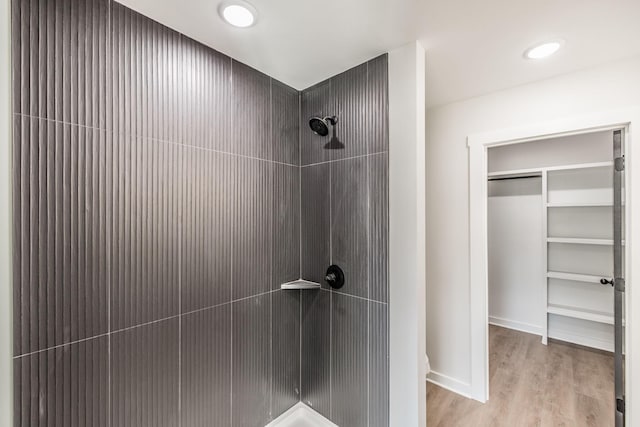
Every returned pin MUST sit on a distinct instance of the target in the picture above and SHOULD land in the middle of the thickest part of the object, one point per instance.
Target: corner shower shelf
(300, 284)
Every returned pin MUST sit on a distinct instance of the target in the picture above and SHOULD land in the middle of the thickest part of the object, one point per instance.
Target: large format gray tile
(354, 112)
(206, 368)
(349, 353)
(251, 366)
(286, 224)
(315, 211)
(146, 76)
(61, 60)
(252, 257)
(207, 228)
(378, 104)
(315, 101)
(251, 112)
(145, 240)
(316, 351)
(378, 166)
(61, 210)
(350, 223)
(145, 375)
(285, 106)
(65, 386)
(286, 350)
(378, 365)
(205, 105)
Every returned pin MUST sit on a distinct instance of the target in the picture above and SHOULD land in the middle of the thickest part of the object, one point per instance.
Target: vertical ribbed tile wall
(157, 210)
(344, 181)
(63, 386)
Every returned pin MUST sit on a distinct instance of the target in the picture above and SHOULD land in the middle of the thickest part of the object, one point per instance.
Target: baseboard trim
(451, 384)
(515, 325)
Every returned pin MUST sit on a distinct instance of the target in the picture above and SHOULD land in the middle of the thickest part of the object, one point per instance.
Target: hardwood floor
(532, 385)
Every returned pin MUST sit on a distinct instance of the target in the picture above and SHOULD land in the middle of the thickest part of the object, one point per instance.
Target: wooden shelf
(587, 278)
(579, 204)
(578, 313)
(594, 165)
(581, 241)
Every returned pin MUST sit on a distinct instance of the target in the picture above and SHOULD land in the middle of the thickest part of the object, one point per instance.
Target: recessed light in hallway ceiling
(238, 13)
(543, 50)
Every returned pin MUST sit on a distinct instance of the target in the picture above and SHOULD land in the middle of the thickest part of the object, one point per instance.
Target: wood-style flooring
(532, 385)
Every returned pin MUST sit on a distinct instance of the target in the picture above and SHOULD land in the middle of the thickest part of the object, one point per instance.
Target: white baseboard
(515, 325)
(451, 384)
(586, 341)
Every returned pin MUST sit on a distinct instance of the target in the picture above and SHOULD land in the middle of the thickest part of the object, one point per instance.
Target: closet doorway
(555, 227)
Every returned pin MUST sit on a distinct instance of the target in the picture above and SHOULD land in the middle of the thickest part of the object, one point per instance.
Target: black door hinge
(620, 405)
(619, 164)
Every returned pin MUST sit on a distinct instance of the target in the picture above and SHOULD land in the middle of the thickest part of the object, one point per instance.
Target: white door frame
(478, 250)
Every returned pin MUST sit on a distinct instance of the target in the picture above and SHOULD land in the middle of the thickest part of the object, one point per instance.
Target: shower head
(320, 126)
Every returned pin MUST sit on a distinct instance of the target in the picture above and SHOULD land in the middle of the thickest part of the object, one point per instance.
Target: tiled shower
(162, 193)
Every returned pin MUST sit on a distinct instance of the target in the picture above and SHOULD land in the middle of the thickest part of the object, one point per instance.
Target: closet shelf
(578, 204)
(300, 284)
(574, 276)
(581, 241)
(595, 165)
(580, 313)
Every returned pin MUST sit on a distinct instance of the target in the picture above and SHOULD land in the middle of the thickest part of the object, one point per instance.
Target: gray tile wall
(344, 181)
(157, 209)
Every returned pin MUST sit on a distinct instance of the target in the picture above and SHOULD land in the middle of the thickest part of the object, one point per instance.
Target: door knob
(606, 282)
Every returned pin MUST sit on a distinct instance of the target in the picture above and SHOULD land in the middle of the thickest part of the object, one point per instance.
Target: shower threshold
(300, 415)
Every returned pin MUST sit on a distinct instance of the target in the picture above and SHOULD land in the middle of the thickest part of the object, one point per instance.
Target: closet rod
(503, 178)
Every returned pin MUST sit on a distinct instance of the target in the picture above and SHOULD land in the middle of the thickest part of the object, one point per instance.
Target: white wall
(516, 262)
(613, 86)
(408, 396)
(6, 296)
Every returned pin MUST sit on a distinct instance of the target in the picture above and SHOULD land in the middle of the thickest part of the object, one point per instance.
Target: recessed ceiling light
(238, 13)
(543, 50)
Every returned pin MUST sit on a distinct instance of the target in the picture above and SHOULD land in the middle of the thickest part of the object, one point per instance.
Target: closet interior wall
(550, 238)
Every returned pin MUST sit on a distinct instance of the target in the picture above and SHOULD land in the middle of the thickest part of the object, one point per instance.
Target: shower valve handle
(334, 277)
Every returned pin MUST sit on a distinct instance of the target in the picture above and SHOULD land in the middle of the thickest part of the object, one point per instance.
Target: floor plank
(532, 385)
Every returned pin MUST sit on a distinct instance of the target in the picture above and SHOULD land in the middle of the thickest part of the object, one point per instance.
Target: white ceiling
(299, 42)
(473, 47)
(476, 46)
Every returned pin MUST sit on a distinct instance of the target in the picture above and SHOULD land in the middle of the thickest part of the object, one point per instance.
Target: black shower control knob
(334, 277)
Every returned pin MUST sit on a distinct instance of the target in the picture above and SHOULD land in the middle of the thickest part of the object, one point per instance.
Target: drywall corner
(6, 297)
(407, 241)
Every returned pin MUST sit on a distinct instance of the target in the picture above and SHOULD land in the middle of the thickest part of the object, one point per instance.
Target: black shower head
(320, 126)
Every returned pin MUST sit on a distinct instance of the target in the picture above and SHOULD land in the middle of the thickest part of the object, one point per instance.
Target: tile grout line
(300, 242)
(149, 138)
(58, 346)
(368, 352)
(140, 325)
(330, 290)
(271, 272)
(231, 278)
(359, 156)
(353, 296)
(108, 242)
(180, 229)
